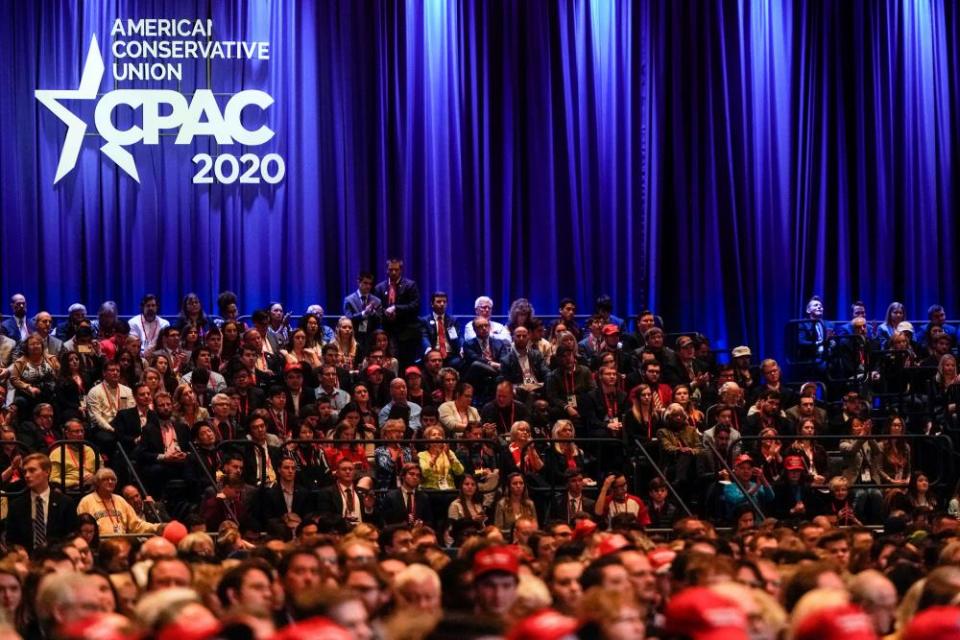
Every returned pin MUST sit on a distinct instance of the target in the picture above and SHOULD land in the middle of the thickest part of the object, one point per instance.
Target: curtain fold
(716, 161)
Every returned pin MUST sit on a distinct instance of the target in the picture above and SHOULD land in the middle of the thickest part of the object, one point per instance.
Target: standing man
(400, 298)
(19, 326)
(148, 324)
(361, 307)
(438, 331)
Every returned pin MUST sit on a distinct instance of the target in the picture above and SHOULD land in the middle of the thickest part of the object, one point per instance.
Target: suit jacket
(395, 508)
(353, 308)
(510, 366)
(329, 500)
(9, 328)
(560, 507)
(810, 341)
(473, 353)
(61, 518)
(127, 426)
(250, 462)
(405, 323)
(271, 504)
(428, 337)
(151, 442)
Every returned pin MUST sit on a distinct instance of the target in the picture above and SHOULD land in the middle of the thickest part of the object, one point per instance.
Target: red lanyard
(612, 408)
(116, 404)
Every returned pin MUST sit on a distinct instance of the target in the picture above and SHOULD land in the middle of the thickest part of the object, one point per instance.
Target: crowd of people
(398, 475)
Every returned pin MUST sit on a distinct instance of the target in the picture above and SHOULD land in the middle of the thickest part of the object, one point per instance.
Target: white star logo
(76, 128)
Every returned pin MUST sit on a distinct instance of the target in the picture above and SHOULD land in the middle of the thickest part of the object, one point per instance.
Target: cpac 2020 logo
(200, 117)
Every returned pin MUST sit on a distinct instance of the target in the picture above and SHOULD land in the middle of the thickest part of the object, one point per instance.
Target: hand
(723, 474)
(572, 411)
(608, 481)
(33, 391)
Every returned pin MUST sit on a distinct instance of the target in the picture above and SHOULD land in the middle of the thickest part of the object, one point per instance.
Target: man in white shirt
(148, 324)
(483, 306)
(103, 402)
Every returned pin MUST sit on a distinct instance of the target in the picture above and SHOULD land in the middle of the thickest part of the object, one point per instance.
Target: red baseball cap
(848, 622)
(793, 463)
(293, 367)
(313, 628)
(412, 371)
(935, 623)
(661, 558)
(373, 369)
(701, 614)
(543, 625)
(612, 544)
(610, 330)
(583, 528)
(498, 558)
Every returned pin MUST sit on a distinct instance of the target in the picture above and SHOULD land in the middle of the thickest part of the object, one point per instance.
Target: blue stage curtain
(717, 161)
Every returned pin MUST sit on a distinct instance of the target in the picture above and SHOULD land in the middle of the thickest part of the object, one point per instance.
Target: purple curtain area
(715, 161)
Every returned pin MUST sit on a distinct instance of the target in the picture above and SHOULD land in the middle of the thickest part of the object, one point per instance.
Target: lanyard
(570, 382)
(115, 405)
(612, 407)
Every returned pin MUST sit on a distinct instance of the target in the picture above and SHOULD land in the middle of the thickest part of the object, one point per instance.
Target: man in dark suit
(272, 510)
(342, 499)
(438, 331)
(408, 504)
(521, 364)
(42, 514)
(162, 452)
(129, 424)
(572, 501)
(260, 460)
(481, 358)
(812, 332)
(19, 326)
(362, 308)
(400, 298)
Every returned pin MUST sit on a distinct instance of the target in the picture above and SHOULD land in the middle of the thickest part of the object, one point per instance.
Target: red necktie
(392, 294)
(441, 339)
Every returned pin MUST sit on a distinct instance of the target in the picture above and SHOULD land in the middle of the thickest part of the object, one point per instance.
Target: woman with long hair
(895, 315)
(945, 392)
(185, 406)
(922, 500)
(344, 338)
(296, 351)
(514, 504)
(769, 455)
(311, 325)
(342, 447)
(449, 381)
(895, 459)
(361, 398)
(191, 312)
(312, 470)
(813, 454)
(642, 420)
(73, 383)
(520, 314)
(190, 337)
(11, 596)
(380, 341)
(232, 332)
(468, 505)
(160, 362)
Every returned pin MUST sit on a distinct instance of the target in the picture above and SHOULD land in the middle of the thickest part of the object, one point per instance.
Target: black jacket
(395, 508)
(127, 427)
(61, 518)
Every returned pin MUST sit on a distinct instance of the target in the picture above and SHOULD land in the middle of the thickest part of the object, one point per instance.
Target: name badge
(452, 332)
(572, 401)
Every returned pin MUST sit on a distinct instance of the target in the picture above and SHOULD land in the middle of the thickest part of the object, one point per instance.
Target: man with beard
(438, 331)
(148, 324)
(163, 446)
